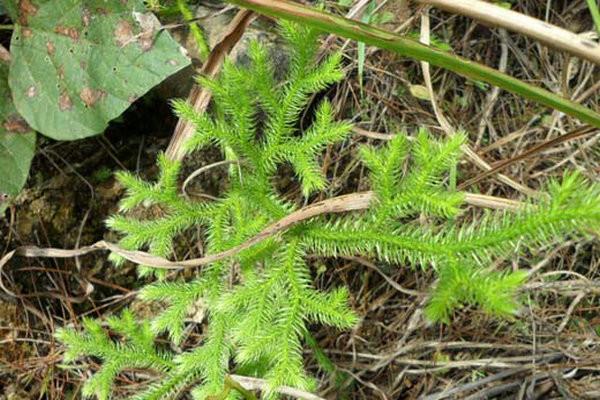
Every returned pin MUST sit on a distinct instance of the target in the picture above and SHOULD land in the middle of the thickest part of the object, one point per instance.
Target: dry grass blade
(340, 204)
(445, 124)
(550, 35)
(576, 134)
(410, 48)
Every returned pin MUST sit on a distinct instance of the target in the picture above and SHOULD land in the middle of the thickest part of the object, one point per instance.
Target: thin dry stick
(200, 97)
(575, 134)
(550, 35)
(413, 323)
(202, 170)
(506, 362)
(389, 280)
(454, 390)
(374, 135)
(570, 310)
(250, 383)
(340, 204)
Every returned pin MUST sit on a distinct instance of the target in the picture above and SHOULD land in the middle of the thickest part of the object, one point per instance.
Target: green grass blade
(593, 6)
(361, 48)
(203, 49)
(410, 48)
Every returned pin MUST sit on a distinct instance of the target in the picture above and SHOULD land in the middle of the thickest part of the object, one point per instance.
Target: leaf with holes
(77, 64)
(17, 143)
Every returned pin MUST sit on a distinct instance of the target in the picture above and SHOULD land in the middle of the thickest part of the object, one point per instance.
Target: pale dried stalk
(202, 170)
(492, 96)
(340, 204)
(551, 35)
(375, 135)
(445, 124)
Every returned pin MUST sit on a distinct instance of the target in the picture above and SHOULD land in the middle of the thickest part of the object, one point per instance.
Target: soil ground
(551, 350)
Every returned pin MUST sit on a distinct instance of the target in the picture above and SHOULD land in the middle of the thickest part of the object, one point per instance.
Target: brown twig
(549, 34)
(445, 124)
(200, 97)
(575, 134)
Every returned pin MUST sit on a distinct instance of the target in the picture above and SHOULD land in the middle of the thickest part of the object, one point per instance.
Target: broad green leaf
(17, 142)
(77, 64)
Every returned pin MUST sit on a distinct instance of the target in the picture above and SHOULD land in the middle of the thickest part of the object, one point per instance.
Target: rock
(214, 25)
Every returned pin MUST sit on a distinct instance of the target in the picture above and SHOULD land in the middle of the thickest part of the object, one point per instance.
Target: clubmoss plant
(259, 301)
